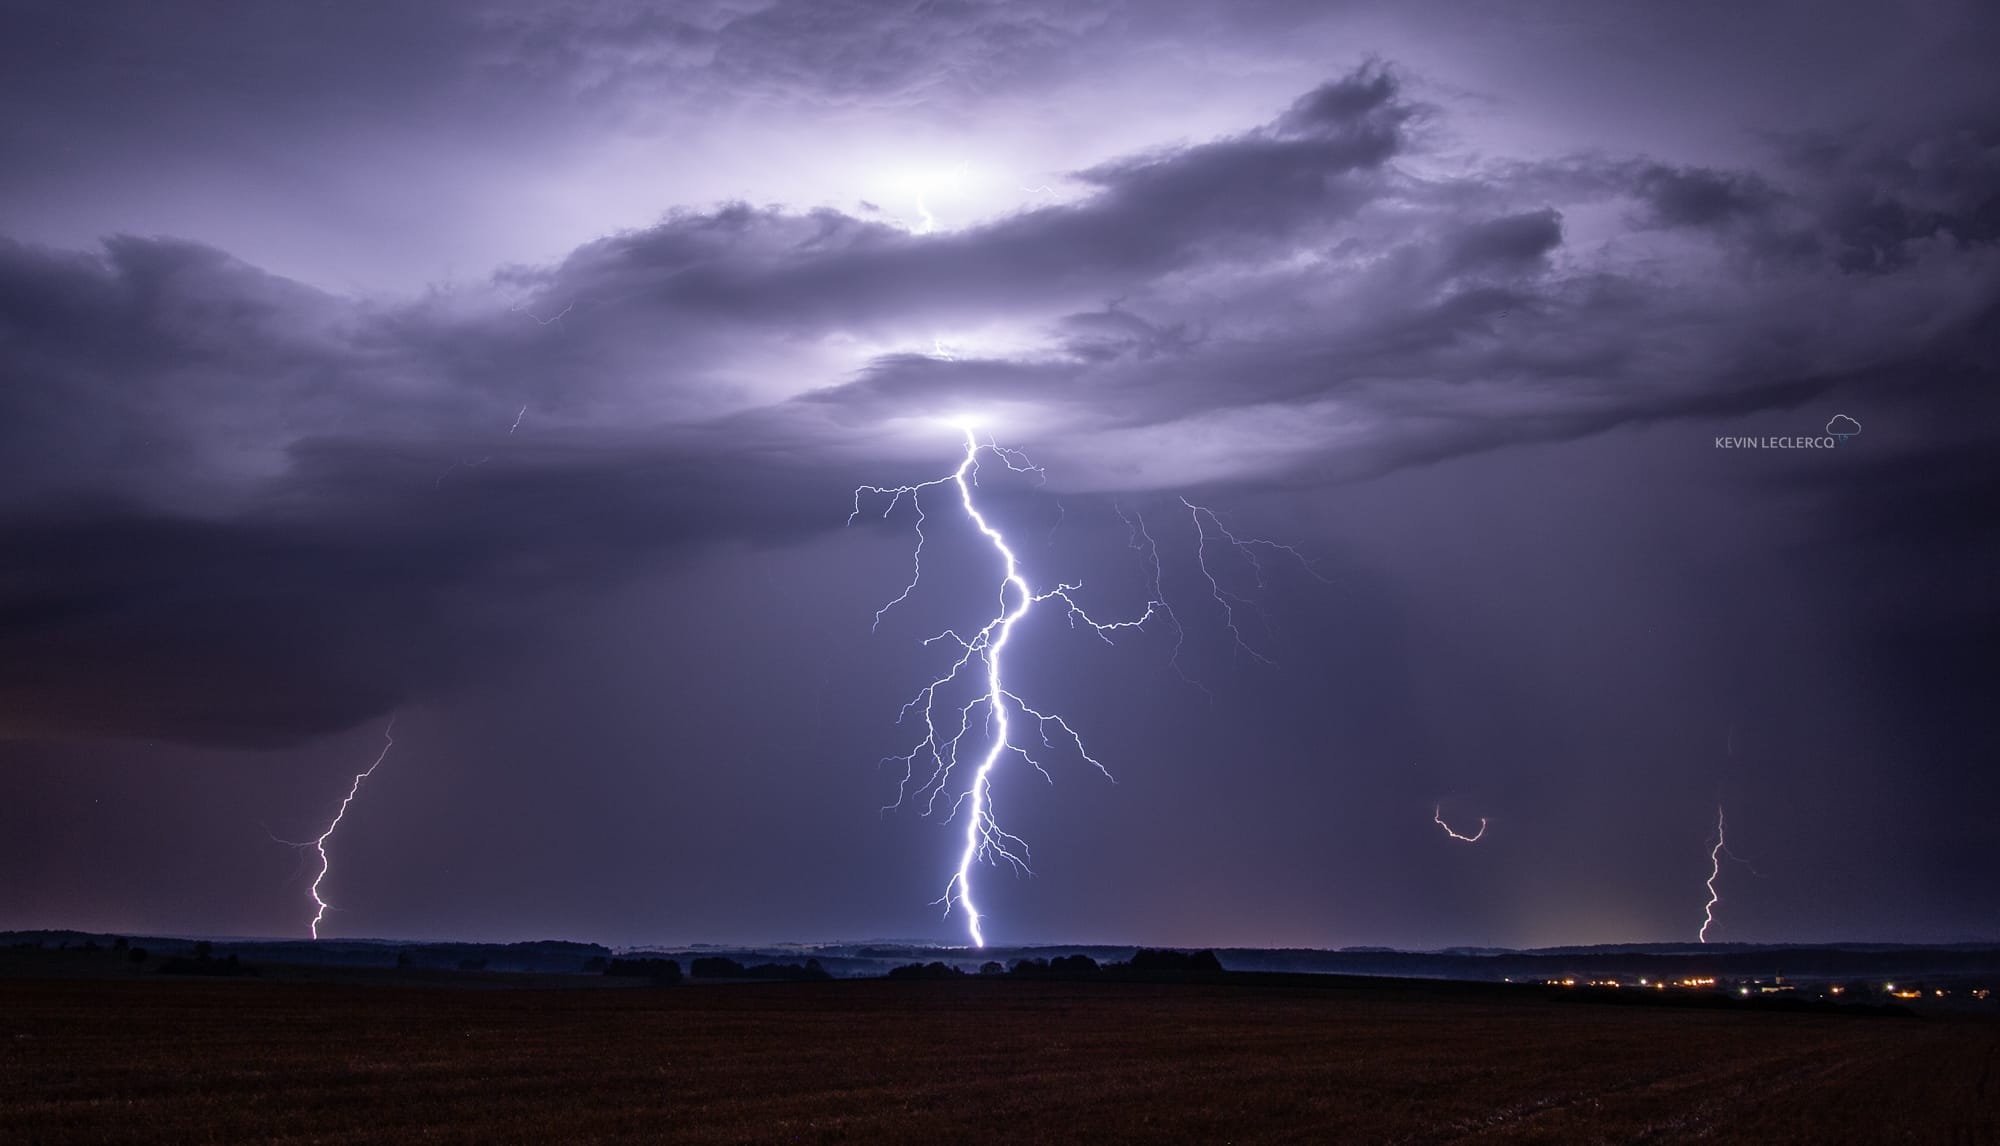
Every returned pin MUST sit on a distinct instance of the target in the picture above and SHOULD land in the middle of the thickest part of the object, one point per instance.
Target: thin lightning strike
(462, 464)
(389, 741)
(1714, 872)
(1437, 814)
(923, 188)
(456, 465)
(1715, 855)
(997, 704)
(555, 318)
(1245, 546)
(1135, 526)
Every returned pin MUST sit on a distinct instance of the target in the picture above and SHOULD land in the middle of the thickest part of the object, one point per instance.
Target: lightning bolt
(1137, 532)
(557, 317)
(325, 862)
(1247, 547)
(456, 465)
(1437, 814)
(946, 730)
(462, 464)
(1714, 872)
(924, 188)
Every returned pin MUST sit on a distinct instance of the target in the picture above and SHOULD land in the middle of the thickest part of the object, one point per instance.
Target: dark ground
(968, 1060)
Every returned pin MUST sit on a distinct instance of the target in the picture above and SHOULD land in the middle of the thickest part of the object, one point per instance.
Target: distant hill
(1962, 963)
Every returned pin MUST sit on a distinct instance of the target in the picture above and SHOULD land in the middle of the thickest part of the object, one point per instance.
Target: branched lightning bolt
(1247, 546)
(1437, 814)
(1714, 872)
(1137, 532)
(388, 742)
(945, 732)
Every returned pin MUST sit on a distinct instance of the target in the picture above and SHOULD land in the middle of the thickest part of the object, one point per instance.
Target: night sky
(510, 370)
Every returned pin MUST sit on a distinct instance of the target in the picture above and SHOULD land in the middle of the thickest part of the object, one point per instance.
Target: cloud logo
(1843, 427)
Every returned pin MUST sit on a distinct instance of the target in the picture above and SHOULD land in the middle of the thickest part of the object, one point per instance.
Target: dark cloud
(1697, 197)
(1371, 93)
(1453, 295)
(1290, 296)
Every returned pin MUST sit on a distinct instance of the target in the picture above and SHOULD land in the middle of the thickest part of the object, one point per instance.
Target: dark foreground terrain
(957, 1061)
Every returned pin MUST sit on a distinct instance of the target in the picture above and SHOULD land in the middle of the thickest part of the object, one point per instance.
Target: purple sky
(511, 372)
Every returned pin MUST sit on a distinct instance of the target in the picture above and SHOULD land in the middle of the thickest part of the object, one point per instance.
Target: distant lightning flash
(1714, 872)
(456, 465)
(1437, 814)
(557, 317)
(1715, 855)
(942, 742)
(388, 742)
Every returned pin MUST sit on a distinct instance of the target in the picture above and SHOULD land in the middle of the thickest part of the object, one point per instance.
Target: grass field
(964, 1061)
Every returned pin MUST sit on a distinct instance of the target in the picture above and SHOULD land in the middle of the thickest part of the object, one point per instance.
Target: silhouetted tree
(1031, 969)
(1072, 967)
(925, 971)
(205, 963)
(716, 967)
(663, 972)
(790, 972)
(1146, 961)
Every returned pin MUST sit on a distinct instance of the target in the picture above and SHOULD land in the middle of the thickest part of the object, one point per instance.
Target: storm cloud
(1288, 304)
(245, 504)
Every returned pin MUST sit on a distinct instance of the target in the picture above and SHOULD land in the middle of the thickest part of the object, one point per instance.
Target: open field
(971, 1060)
